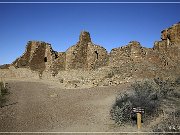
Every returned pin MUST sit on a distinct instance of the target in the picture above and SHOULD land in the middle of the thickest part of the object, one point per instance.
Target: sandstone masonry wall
(85, 55)
(131, 60)
(97, 56)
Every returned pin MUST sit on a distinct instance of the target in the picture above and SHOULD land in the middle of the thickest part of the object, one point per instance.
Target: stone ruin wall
(118, 56)
(70, 57)
(59, 62)
(85, 55)
(170, 38)
(165, 55)
(23, 61)
(97, 57)
(48, 57)
(39, 56)
(133, 52)
(37, 63)
(169, 47)
(76, 57)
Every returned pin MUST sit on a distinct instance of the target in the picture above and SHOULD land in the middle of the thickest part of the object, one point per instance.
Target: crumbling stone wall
(23, 61)
(137, 51)
(169, 47)
(59, 62)
(97, 56)
(132, 59)
(48, 57)
(170, 37)
(118, 56)
(173, 33)
(126, 54)
(40, 56)
(76, 57)
(160, 46)
(85, 55)
(36, 57)
(38, 62)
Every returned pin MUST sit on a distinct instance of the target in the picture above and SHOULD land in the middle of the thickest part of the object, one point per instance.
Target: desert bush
(170, 91)
(176, 94)
(121, 110)
(146, 96)
(3, 92)
(177, 81)
(156, 97)
(143, 95)
(168, 88)
(165, 87)
(170, 124)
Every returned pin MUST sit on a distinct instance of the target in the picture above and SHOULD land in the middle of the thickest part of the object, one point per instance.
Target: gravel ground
(39, 106)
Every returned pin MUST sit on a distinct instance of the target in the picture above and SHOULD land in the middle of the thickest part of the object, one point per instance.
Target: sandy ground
(39, 106)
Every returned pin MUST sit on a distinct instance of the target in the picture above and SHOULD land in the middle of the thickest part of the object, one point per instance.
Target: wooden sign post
(139, 120)
(138, 112)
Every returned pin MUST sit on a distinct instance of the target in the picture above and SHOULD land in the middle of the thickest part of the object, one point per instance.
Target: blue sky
(110, 25)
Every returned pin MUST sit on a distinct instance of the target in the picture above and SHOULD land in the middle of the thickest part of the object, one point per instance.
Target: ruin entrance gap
(56, 56)
(45, 59)
(96, 54)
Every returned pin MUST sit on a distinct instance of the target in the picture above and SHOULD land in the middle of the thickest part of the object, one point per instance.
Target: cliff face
(132, 58)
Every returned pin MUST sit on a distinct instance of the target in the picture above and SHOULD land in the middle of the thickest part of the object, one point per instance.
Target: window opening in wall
(45, 59)
(56, 56)
(96, 54)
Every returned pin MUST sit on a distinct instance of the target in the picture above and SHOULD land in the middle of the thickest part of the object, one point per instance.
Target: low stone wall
(12, 72)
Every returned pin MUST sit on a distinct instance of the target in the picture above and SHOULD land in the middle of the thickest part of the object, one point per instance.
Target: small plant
(3, 89)
(170, 124)
(3, 92)
(110, 74)
(177, 81)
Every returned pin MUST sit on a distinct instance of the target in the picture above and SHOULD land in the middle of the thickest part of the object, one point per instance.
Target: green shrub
(146, 96)
(121, 110)
(153, 96)
(143, 95)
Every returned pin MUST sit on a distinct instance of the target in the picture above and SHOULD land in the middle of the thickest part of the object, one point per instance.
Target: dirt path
(46, 107)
